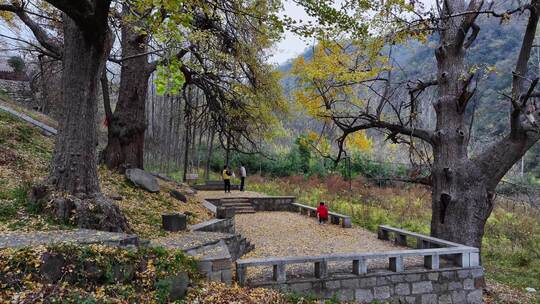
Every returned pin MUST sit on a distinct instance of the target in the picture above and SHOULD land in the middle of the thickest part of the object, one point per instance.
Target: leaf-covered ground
(218, 293)
(292, 234)
(90, 274)
(24, 159)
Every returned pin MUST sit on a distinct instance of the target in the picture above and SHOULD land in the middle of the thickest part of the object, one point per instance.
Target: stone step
(227, 205)
(245, 211)
(235, 200)
(236, 209)
(242, 208)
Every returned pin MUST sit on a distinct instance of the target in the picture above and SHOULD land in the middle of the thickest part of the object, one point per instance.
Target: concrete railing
(465, 257)
(422, 241)
(335, 218)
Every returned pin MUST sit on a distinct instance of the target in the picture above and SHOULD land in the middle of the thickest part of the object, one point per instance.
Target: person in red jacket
(322, 213)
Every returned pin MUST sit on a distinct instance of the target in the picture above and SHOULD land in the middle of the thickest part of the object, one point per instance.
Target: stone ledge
(215, 225)
(78, 236)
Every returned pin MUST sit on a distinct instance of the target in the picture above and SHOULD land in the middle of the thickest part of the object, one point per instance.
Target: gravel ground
(291, 234)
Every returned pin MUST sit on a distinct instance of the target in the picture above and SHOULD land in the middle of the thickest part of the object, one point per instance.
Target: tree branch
(522, 69)
(472, 37)
(78, 10)
(153, 65)
(41, 35)
(468, 23)
(500, 157)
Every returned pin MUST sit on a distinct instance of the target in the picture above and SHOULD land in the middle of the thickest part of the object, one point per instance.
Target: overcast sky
(292, 45)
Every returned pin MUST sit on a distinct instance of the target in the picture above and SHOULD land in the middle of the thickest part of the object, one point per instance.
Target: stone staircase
(240, 205)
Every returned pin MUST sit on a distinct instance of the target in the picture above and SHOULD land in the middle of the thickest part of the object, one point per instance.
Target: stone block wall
(264, 203)
(216, 269)
(214, 262)
(448, 286)
(236, 243)
(273, 203)
(215, 225)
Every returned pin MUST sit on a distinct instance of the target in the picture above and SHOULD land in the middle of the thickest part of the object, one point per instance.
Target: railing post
(396, 264)
(346, 222)
(241, 274)
(359, 266)
(382, 234)
(401, 239)
(422, 244)
(431, 261)
(279, 273)
(474, 259)
(321, 269)
(463, 259)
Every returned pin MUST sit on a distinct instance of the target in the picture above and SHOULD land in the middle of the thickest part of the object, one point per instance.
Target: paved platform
(277, 234)
(189, 240)
(78, 236)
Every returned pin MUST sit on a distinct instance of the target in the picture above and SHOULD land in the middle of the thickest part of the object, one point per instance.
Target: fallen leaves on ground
(219, 293)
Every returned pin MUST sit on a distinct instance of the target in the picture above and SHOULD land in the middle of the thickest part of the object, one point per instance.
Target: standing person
(322, 213)
(243, 176)
(226, 174)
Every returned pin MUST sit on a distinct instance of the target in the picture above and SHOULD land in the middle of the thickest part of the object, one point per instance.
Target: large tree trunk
(74, 168)
(461, 203)
(74, 164)
(463, 188)
(125, 145)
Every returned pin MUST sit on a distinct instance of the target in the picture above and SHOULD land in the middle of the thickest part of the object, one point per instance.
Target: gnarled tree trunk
(127, 124)
(463, 188)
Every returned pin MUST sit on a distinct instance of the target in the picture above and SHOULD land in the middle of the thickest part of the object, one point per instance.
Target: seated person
(322, 213)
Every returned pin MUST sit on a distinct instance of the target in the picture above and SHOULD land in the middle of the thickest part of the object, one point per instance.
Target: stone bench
(467, 257)
(335, 218)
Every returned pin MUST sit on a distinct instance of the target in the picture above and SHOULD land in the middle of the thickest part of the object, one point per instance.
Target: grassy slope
(511, 245)
(24, 158)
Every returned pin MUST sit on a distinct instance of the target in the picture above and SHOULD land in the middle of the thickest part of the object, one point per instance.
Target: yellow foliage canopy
(359, 141)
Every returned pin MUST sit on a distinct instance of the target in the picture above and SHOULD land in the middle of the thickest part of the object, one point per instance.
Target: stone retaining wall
(214, 262)
(273, 203)
(263, 203)
(448, 286)
(215, 225)
(237, 245)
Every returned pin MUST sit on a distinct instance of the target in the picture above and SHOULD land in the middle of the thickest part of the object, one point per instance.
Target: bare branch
(41, 35)
(475, 30)
(468, 23)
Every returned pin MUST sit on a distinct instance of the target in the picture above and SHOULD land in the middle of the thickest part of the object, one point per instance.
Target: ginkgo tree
(224, 43)
(463, 185)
